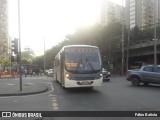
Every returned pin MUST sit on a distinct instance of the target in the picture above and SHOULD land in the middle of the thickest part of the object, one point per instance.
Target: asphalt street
(115, 95)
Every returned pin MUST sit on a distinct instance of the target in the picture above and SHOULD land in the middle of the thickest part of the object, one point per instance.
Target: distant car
(50, 73)
(146, 74)
(106, 75)
(46, 72)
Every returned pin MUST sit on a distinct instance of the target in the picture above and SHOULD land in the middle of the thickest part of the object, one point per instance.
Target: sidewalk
(27, 89)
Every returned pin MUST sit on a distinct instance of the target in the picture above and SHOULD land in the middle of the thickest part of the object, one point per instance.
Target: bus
(78, 66)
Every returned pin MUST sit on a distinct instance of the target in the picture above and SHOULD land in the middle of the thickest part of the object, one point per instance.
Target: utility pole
(122, 69)
(127, 61)
(44, 57)
(20, 62)
(155, 39)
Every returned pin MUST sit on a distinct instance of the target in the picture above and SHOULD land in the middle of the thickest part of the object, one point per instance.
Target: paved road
(115, 95)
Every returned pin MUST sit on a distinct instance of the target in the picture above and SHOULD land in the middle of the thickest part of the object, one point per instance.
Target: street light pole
(155, 40)
(20, 62)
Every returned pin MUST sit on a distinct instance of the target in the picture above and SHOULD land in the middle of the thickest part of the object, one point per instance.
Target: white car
(50, 73)
(106, 75)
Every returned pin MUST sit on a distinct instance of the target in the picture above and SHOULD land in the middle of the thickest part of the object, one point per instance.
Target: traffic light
(17, 58)
(15, 46)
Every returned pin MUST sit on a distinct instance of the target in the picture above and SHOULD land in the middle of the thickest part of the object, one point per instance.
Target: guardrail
(142, 43)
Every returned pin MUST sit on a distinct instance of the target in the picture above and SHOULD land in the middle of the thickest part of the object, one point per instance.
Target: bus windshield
(82, 59)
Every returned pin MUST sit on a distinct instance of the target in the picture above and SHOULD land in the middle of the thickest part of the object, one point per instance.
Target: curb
(24, 93)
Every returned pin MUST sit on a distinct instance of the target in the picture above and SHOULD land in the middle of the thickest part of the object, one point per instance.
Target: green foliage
(27, 55)
(108, 39)
(5, 62)
(38, 61)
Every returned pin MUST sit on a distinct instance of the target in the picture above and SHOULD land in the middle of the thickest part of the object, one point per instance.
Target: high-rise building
(110, 12)
(141, 13)
(3, 28)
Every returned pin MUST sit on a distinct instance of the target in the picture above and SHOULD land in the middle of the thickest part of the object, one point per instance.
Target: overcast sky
(50, 20)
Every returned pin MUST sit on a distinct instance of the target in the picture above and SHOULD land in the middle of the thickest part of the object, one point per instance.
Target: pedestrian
(25, 72)
(30, 72)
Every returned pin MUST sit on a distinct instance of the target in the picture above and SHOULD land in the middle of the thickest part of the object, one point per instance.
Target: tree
(5, 62)
(27, 55)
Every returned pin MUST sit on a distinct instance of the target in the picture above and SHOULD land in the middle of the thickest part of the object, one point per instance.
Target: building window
(132, 17)
(132, 8)
(132, 13)
(132, 25)
(132, 4)
(132, 1)
(132, 21)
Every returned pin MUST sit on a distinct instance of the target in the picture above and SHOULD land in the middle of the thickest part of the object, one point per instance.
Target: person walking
(25, 72)
(30, 72)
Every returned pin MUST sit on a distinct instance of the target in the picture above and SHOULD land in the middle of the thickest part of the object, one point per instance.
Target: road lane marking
(55, 104)
(56, 108)
(10, 84)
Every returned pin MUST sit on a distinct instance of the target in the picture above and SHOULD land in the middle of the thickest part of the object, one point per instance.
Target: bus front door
(62, 69)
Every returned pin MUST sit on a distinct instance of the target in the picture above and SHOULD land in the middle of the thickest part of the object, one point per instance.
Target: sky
(50, 20)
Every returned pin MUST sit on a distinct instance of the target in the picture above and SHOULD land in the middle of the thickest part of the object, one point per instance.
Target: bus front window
(82, 60)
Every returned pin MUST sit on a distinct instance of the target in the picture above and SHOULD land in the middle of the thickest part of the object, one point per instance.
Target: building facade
(110, 12)
(141, 13)
(3, 29)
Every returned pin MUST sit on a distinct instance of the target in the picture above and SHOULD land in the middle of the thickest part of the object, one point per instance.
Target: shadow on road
(75, 90)
(150, 86)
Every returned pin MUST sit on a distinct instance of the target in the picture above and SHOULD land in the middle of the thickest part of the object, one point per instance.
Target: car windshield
(82, 59)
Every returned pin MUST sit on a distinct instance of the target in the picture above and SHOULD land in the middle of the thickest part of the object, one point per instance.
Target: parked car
(50, 73)
(106, 75)
(146, 74)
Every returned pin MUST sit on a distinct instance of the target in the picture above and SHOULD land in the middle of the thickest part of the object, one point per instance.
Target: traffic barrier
(8, 74)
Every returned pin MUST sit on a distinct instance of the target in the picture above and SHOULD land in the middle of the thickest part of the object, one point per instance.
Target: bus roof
(69, 46)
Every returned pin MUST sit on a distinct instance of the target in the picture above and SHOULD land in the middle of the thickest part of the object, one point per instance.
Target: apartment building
(3, 28)
(141, 13)
(110, 12)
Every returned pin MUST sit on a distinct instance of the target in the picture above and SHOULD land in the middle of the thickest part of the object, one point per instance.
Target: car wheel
(135, 81)
(108, 80)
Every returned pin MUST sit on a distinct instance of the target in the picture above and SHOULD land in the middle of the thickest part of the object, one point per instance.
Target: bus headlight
(99, 76)
(67, 76)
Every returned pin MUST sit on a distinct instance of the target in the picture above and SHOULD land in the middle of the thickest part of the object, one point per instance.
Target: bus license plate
(85, 82)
